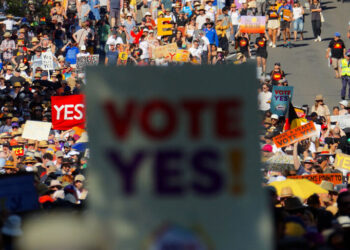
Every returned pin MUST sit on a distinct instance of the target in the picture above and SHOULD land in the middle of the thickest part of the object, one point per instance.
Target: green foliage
(16, 7)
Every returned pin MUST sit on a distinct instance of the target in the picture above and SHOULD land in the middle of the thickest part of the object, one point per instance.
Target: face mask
(29, 169)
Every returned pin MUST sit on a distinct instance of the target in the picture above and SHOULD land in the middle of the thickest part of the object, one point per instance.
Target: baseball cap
(337, 34)
(344, 102)
(267, 148)
(274, 116)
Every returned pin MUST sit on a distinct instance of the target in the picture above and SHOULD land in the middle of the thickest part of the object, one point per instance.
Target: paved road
(306, 64)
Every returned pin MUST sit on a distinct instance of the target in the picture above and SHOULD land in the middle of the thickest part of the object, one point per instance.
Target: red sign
(68, 111)
(19, 150)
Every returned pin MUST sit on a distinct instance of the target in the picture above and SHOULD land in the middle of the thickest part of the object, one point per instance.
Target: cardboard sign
(281, 95)
(19, 193)
(166, 156)
(287, 15)
(35, 130)
(182, 55)
(335, 178)
(68, 111)
(47, 60)
(83, 61)
(342, 161)
(19, 150)
(252, 24)
(165, 51)
(343, 120)
(123, 56)
(297, 134)
(164, 26)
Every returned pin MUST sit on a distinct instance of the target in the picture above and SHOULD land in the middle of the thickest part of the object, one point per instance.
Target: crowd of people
(129, 33)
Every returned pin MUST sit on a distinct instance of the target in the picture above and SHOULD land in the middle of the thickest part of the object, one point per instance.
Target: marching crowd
(132, 33)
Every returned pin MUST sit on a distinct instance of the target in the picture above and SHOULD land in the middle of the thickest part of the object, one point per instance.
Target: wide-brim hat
(29, 159)
(201, 8)
(319, 98)
(329, 186)
(35, 40)
(55, 183)
(9, 16)
(286, 192)
(7, 34)
(12, 226)
(43, 144)
(9, 164)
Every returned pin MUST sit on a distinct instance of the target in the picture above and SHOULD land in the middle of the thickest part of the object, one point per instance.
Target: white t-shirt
(9, 24)
(263, 99)
(144, 46)
(210, 11)
(235, 18)
(200, 20)
(204, 47)
(196, 52)
(114, 41)
(297, 13)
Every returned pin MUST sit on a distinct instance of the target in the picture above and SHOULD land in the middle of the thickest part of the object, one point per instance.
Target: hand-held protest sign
(164, 26)
(47, 60)
(35, 130)
(68, 111)
(342, 161)
(169, 154)
(343, 120)
(19, 150)
(83, 61)
(166, 51)
(281, 95)
(335, 178)
(182, 55)
(252, 24)
(297, 134)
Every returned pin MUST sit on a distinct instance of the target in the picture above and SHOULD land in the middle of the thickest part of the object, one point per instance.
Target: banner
(35, 130)
(297, 134)
(280, 99)
(164, 27)
(342, 161)
(68, 111)
(182, 55)
(343, 120)
(335, 178)
(169, 159)
(18, 192)
(252, 24)
(47, 60)
(165, 51)
(83, 61)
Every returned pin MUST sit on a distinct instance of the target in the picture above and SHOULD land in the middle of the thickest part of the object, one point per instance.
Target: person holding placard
(286, 15)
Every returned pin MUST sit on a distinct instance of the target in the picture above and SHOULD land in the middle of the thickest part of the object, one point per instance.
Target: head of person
(343, 202)
(274, 119)
(319, 100)
(277, 66)
(336, 36)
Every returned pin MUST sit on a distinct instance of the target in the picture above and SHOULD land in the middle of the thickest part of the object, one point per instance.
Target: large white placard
(175, 158)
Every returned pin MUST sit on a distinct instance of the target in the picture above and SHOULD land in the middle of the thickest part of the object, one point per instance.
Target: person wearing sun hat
(9, 22)
(320, 107)
(7, 46)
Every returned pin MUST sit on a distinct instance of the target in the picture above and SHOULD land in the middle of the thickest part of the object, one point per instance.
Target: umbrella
(301, 187)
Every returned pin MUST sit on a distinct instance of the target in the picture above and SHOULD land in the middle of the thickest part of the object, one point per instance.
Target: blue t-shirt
(112, 57)
(71, 54)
